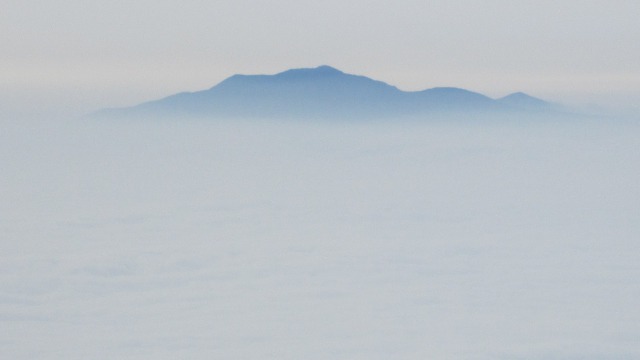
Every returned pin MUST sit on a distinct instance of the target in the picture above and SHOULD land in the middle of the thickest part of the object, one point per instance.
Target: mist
(432, 238)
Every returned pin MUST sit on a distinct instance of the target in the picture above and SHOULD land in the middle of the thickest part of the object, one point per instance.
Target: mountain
(320, 93)
(523, 101)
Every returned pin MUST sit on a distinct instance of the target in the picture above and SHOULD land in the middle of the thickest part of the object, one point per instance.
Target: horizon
(593, 107)
(96, 56)
(454, 196)
(324, 92)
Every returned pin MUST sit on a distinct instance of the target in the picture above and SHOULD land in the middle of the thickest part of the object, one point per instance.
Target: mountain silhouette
(523, 101)
(319, 93)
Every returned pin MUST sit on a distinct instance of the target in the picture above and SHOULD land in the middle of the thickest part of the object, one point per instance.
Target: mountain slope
(319, 93)
(523, 101)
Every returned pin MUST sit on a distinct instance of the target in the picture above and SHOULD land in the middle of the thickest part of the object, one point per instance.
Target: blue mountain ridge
(323, 92)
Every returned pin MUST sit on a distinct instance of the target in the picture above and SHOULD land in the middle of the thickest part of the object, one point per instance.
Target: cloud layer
(288, 241)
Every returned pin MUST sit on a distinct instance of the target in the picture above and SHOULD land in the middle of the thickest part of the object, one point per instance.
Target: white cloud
(289, 241)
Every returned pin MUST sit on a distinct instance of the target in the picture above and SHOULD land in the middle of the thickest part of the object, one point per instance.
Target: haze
(440, 235)
(73, 57)
(149, 239)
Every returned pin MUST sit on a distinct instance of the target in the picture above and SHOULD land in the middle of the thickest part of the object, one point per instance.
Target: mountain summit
(322, 92)
(526, 102)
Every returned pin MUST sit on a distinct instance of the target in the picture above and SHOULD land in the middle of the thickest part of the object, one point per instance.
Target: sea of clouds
(434, 239)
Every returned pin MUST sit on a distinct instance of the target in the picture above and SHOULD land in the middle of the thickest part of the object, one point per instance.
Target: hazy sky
(72, 56)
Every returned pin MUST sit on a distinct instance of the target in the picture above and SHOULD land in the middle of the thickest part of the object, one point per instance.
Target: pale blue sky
(72, 56)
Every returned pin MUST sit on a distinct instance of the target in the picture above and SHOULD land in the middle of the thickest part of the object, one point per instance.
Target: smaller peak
(327, 68)
(525, 101)
(518, 94)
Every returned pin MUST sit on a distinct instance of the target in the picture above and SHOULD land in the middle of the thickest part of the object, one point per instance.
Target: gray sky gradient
(71, 56)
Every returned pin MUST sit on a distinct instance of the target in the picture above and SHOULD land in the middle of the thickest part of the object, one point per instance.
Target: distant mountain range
(323, 92)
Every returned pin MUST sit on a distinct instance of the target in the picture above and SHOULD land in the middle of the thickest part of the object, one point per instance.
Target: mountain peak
(323, 70)
(327, 68)
(323, 92)
(525, 101)
(518, 95)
